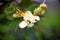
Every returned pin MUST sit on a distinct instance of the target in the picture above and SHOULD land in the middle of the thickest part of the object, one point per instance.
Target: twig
(44, 1)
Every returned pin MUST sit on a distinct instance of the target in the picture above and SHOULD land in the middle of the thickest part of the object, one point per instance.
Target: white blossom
(29, 20)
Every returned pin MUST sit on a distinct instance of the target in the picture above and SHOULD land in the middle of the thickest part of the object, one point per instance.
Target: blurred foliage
(47, 28)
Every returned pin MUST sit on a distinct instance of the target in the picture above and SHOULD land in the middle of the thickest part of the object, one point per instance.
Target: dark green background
(48, 28)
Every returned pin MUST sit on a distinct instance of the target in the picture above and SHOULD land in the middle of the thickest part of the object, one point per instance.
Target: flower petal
(37, 18)
(23, 24)
(16, 15)
(31, 25)
(44, 6)
(28, 15)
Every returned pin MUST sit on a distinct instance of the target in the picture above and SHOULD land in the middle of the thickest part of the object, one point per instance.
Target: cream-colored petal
(28, 13)
(43, 5)
(43, 12)
(15, 15)
(37, 18)
(23, 24)
(30, 25)
(28, 16)
(32, 20)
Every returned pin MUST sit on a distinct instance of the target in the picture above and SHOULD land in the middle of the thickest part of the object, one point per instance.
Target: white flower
(29, 17)
(23, 24)
(29, 20)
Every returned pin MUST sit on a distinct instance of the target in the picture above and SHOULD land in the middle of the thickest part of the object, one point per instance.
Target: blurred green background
(48, 28)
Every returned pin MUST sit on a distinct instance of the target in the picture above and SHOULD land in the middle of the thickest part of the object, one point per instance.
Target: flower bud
(16, 15)
(37, 11)
(43, 6)
(20, 13)
(43, 12)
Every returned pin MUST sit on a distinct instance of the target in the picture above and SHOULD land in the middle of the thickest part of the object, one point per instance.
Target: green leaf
(4, 28)
(38, 35)
(28, 37)
(31, 7)
(24, 4)
(9, 37)
(2, 16)
(14, 24)
(9, 13)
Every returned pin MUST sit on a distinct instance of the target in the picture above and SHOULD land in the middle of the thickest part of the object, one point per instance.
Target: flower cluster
(41, 9)
(30, 19)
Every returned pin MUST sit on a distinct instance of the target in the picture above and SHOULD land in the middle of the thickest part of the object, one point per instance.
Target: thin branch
(44, 1)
